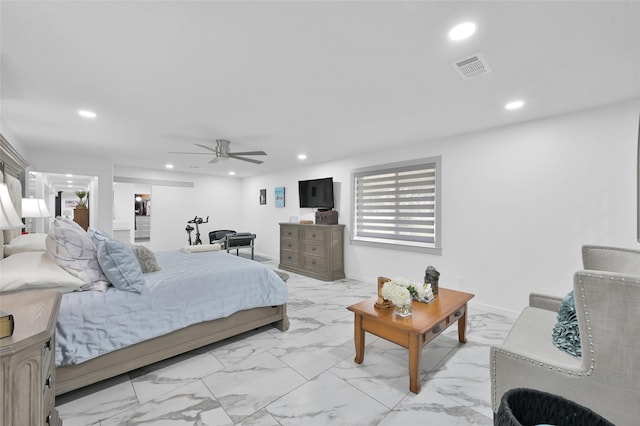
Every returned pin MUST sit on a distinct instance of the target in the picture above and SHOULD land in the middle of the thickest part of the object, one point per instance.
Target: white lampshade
(43, 208)
(34, 207)
(8, 216)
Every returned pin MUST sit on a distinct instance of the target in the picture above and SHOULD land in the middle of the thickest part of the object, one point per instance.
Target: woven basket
(528, 407)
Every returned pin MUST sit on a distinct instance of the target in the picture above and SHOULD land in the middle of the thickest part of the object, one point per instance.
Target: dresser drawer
(48, 365)
(313, 235)
(288, 232)
(288, 244)
(289, 257)
(313, 249)
(47, 356)
(314, 263)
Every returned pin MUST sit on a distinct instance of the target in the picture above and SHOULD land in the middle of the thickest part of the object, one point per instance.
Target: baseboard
(491, 309)
(472, 305)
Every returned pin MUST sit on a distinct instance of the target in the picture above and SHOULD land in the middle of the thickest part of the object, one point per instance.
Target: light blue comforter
(190, 288)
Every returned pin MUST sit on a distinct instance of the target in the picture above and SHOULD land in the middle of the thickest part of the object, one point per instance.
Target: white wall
(173, 206)
(518, 203)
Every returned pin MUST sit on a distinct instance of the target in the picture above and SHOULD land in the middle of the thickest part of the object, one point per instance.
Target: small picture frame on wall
(279, 196)
(263, 196)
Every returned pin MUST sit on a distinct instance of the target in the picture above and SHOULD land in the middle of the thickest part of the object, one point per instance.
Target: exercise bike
(196, 221)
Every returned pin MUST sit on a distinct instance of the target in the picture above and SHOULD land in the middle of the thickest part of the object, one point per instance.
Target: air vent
(472, 67)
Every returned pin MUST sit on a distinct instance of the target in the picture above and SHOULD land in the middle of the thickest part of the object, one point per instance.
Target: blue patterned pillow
(120, 266)
(566, 335)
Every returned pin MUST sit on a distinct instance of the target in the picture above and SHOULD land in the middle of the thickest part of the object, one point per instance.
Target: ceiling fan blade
(249, 153)
(251, 160)
(215, 160)
(179, 152)
(205, 147)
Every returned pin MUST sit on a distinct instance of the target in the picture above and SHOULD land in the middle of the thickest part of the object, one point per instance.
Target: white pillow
(26, 242)
(73, 250)
(201, 247)
(35, 269)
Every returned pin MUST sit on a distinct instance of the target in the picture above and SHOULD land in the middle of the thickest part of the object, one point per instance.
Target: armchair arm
(544, 301)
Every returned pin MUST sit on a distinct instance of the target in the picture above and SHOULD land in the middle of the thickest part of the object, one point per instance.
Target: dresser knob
(48, 420)
(313, 235)
(313, 249)
(437, 330)
(457, 314)
(47, 344)
(47, 382)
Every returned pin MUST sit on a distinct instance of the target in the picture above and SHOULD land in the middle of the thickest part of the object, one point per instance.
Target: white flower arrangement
(400, 291)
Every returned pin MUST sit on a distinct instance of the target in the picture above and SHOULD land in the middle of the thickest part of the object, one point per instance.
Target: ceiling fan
(223, 151)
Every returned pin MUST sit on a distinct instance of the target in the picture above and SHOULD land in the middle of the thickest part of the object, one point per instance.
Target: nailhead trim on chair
(591, 369)
(585, 250)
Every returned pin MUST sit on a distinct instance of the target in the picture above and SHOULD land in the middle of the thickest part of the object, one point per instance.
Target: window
(398, 204)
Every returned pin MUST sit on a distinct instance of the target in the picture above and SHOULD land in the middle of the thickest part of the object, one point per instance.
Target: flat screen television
(316, 193)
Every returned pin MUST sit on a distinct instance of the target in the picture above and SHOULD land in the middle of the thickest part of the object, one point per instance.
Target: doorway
(142, 208)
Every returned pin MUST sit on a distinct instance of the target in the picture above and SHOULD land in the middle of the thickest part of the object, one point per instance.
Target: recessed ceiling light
(302, 157)
(69, 181)
(86, 113)
(514, 104)
(69, 175)
(168, 166)
(462, 31)
(232, 173)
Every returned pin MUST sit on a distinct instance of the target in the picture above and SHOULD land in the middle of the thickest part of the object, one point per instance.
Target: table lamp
(34, 208)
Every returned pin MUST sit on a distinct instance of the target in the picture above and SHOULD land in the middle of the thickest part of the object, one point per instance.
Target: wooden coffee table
(427, 321)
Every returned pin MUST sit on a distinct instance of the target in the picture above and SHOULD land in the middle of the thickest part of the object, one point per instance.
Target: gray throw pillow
(566, 335)
(147, 259)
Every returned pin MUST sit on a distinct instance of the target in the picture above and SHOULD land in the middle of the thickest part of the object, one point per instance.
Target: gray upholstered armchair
(606, 379)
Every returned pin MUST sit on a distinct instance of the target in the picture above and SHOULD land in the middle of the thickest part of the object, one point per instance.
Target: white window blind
(398, 203)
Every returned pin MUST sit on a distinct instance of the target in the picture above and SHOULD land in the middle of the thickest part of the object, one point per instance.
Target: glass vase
(403, 310)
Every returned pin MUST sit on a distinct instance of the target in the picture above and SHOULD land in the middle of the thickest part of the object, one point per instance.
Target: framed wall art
(279, 196)
(263, 196)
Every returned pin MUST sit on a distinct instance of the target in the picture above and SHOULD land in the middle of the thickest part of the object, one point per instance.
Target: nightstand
(27, 359)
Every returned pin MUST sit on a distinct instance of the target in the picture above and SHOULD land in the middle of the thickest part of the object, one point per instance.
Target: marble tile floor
(305, 376)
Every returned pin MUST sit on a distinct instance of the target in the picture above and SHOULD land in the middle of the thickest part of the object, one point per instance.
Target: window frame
(436, 246)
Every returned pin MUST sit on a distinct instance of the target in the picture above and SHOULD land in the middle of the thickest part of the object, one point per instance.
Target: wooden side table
(427, 321)
(27, 359)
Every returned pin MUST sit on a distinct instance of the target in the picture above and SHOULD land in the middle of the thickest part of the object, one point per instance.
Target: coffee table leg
(359, 339)
(415, 362)
(462, 327)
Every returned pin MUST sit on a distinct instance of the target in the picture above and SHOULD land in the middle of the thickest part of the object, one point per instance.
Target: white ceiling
(327, 79)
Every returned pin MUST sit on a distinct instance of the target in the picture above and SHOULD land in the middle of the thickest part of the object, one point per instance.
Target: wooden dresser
(316, 251)
(81, 217)
(27, 359)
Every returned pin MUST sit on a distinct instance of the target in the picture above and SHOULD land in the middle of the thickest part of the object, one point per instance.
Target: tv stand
(316, 251)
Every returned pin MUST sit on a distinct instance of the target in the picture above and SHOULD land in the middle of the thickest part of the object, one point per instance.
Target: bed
(194, 299)
(192, 329)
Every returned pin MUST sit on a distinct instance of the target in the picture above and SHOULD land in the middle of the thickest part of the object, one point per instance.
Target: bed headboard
(12, 172)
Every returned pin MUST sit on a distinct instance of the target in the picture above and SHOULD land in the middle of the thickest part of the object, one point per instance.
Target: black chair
(219, 236)
(229, 239)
